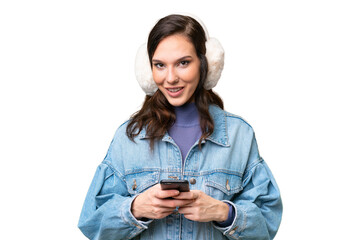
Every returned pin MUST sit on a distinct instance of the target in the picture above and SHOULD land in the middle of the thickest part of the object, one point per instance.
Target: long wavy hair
(157, 115)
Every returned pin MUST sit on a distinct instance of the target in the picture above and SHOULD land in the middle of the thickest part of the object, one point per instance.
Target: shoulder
(121, 130)
(121, 133)
(221, 116)
(236, 118)
(123, 149)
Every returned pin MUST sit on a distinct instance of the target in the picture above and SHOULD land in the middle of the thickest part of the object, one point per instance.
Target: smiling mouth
(174, 90)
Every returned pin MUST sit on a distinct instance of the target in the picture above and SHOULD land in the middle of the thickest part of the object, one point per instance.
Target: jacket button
(134, 186)
(233, 231)
(227, 185)
(192, 180)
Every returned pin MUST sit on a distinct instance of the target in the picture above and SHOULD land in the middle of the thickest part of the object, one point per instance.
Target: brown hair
(157, 115)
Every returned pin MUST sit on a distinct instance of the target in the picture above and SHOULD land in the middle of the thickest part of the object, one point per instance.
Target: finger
(159, 213)
(175, 203)
(185, 210)
(168, 203)
(166, 209)
(187, 195)
(166, 193)
(160, 207)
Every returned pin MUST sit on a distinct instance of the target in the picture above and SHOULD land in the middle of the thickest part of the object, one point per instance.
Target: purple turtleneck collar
(187, 115)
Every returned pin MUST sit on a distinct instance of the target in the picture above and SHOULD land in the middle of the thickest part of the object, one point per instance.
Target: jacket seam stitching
(116, 172)
(230, 115)
(245, 221)
(252, 168)
(187, 173)
(204, 173)
(107, 177)
(226, 130)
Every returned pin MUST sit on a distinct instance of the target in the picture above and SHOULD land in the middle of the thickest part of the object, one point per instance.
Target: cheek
(191, 75)
(157, 76)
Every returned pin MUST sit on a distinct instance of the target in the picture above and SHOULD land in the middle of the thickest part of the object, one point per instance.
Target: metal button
(227, 185)
(137, 226)
(192, 180)
(233, 231)
(134, 186)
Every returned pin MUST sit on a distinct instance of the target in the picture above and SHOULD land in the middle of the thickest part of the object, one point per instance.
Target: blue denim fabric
(228, 168)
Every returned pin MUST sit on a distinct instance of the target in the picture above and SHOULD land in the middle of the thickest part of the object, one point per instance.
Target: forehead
(174, 46)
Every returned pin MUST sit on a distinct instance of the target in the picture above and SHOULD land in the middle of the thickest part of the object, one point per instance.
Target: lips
(175, 91)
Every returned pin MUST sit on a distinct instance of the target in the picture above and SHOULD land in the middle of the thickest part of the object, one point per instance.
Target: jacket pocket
(223, 186)
(140, 181)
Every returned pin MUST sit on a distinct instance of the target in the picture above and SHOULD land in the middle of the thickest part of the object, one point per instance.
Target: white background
(67, 83)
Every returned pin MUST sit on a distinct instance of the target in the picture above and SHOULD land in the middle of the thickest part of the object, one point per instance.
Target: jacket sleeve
(258, 207)
(106, 213)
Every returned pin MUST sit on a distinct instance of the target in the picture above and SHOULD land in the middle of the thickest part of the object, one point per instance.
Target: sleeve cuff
(237, 226)
(128, 217)
(230, 218)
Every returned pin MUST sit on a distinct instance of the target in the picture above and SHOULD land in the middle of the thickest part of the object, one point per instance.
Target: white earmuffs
(214, 56)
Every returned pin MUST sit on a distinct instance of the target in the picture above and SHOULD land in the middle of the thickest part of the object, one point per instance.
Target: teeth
(174, 89)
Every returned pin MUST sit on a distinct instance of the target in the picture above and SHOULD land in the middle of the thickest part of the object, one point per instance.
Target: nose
(172, 77)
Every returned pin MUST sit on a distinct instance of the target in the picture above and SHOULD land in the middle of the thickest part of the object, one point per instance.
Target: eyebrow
(178, 60)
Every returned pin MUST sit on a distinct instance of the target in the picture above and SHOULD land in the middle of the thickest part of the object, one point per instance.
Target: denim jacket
(228, 168)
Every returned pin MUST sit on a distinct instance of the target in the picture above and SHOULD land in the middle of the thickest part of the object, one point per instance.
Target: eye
(184, 63)
(159, 65)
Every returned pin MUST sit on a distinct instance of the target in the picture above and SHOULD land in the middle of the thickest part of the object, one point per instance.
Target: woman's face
(176, 69)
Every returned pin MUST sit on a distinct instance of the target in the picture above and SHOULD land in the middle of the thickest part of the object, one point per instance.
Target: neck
(187, 115)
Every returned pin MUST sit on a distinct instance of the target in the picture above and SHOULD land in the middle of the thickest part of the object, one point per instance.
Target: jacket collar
(219, 136)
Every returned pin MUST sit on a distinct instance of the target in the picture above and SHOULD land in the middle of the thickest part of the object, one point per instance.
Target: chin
(176, 103)
(179, 102)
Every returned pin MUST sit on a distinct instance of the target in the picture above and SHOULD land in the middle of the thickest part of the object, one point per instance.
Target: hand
(153, 203)
(203, 208)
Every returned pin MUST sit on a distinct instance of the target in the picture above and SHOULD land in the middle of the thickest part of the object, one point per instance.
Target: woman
(182, 132)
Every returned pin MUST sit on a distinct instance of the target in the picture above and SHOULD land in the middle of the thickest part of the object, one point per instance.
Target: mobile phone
(181, 185)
